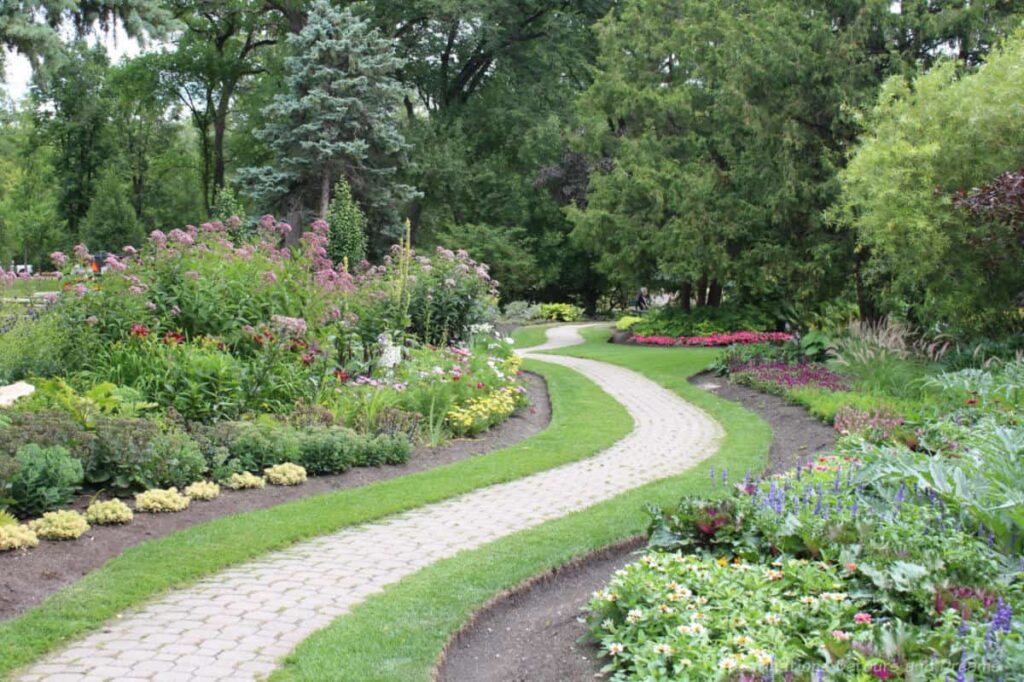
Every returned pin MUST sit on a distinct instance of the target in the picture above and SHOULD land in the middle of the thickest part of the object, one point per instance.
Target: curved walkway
(236, 624)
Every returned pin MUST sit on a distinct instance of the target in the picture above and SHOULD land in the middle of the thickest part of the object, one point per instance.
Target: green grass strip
(531, 335)
(585, 420)
(399, 633)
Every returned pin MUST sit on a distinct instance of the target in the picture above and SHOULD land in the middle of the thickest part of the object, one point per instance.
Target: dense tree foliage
(926, 141)
(585, 148)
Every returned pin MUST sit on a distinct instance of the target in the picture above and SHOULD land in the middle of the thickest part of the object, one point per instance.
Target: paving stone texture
(236, 624)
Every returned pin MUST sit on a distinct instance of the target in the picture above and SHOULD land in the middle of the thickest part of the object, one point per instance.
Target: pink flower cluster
(790, 376)
(714, 340)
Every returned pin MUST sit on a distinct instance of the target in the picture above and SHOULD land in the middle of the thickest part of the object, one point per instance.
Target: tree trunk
(685, 293)
(715, 294)
(325, 192)
(702, 291)
(866, 303)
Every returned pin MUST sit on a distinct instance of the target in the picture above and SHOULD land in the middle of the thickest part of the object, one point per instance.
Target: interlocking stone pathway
(236, 624)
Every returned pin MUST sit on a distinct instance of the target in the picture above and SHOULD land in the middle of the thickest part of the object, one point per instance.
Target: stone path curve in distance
(236, 624)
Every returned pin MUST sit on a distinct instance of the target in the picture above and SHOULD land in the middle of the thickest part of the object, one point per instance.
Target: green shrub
(258, 446)
(560, 312)
(328, 451)
(172, 459)
(120, 452)
(702, 321)
(46, 428)
(44, 479)
(522, 311)
(626, 322)
(32, 348)
(389, 449)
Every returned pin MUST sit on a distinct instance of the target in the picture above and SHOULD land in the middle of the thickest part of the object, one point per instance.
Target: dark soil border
(28, 577)
(530, 633)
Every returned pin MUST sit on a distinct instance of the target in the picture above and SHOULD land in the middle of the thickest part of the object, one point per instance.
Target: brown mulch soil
(27, 577)
(531, 633)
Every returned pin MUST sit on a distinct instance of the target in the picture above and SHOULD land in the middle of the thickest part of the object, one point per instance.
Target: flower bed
(211, 355)
(778, 376)
(714, 340)
(878, 562)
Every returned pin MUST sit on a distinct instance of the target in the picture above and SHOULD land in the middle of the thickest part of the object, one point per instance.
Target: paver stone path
(236, 624)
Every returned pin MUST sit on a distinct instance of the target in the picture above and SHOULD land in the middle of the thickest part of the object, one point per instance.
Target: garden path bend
(236, 624)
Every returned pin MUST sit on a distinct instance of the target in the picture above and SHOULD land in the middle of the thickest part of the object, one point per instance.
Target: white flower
(772, 619)
(615, 648)
(634, 616)
(663, 649)
(727, 664)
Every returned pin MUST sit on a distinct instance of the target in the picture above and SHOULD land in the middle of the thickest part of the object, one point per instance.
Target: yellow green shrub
(157, 500)
(60, 525)
(285, 474)
(17, 537)
(108, 513)
(245, 481)
(479, 414)
(203, 491)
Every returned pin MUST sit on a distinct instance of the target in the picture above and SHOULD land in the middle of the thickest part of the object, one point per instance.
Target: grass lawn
(27, 287)
(531, 335)
(585, 420)
(398, 634)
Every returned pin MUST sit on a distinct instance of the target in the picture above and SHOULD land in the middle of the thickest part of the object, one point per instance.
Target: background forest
(807, 158)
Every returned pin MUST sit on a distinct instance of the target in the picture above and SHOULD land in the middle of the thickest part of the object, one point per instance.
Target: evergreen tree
(110, 223)
(347, 237)
(336, 118)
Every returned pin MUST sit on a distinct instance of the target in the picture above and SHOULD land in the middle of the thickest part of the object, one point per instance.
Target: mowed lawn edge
(585, 420)
(400, 633)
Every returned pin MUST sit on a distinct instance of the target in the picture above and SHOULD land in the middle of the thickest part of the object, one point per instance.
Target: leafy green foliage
(704, 321)
(945, 131)
(339, 80)
(346, 241)
(43, 479)
(560, 312)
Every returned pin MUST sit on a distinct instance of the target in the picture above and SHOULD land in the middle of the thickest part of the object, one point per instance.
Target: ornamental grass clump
(159, 501)
(108, 513)
(60, 525)
(17, 537)
(203, 491)
(245, 481)
(285, 474)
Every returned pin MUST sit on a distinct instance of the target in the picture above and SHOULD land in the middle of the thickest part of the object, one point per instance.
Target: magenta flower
(269, 277)
(82, 252)
(130, 250)
(92, 320)
(80, 289)
(192, 274)
(59, 259)
(158, 238)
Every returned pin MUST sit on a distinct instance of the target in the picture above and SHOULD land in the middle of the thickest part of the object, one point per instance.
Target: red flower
(307, 359)
(140, 330)
(173, 338)
(341, 375)
(480, 387)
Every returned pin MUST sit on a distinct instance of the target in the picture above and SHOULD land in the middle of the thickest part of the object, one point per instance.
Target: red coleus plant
(714, 340)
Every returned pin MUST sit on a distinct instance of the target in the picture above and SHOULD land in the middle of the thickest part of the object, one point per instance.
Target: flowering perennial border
(714, 340)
